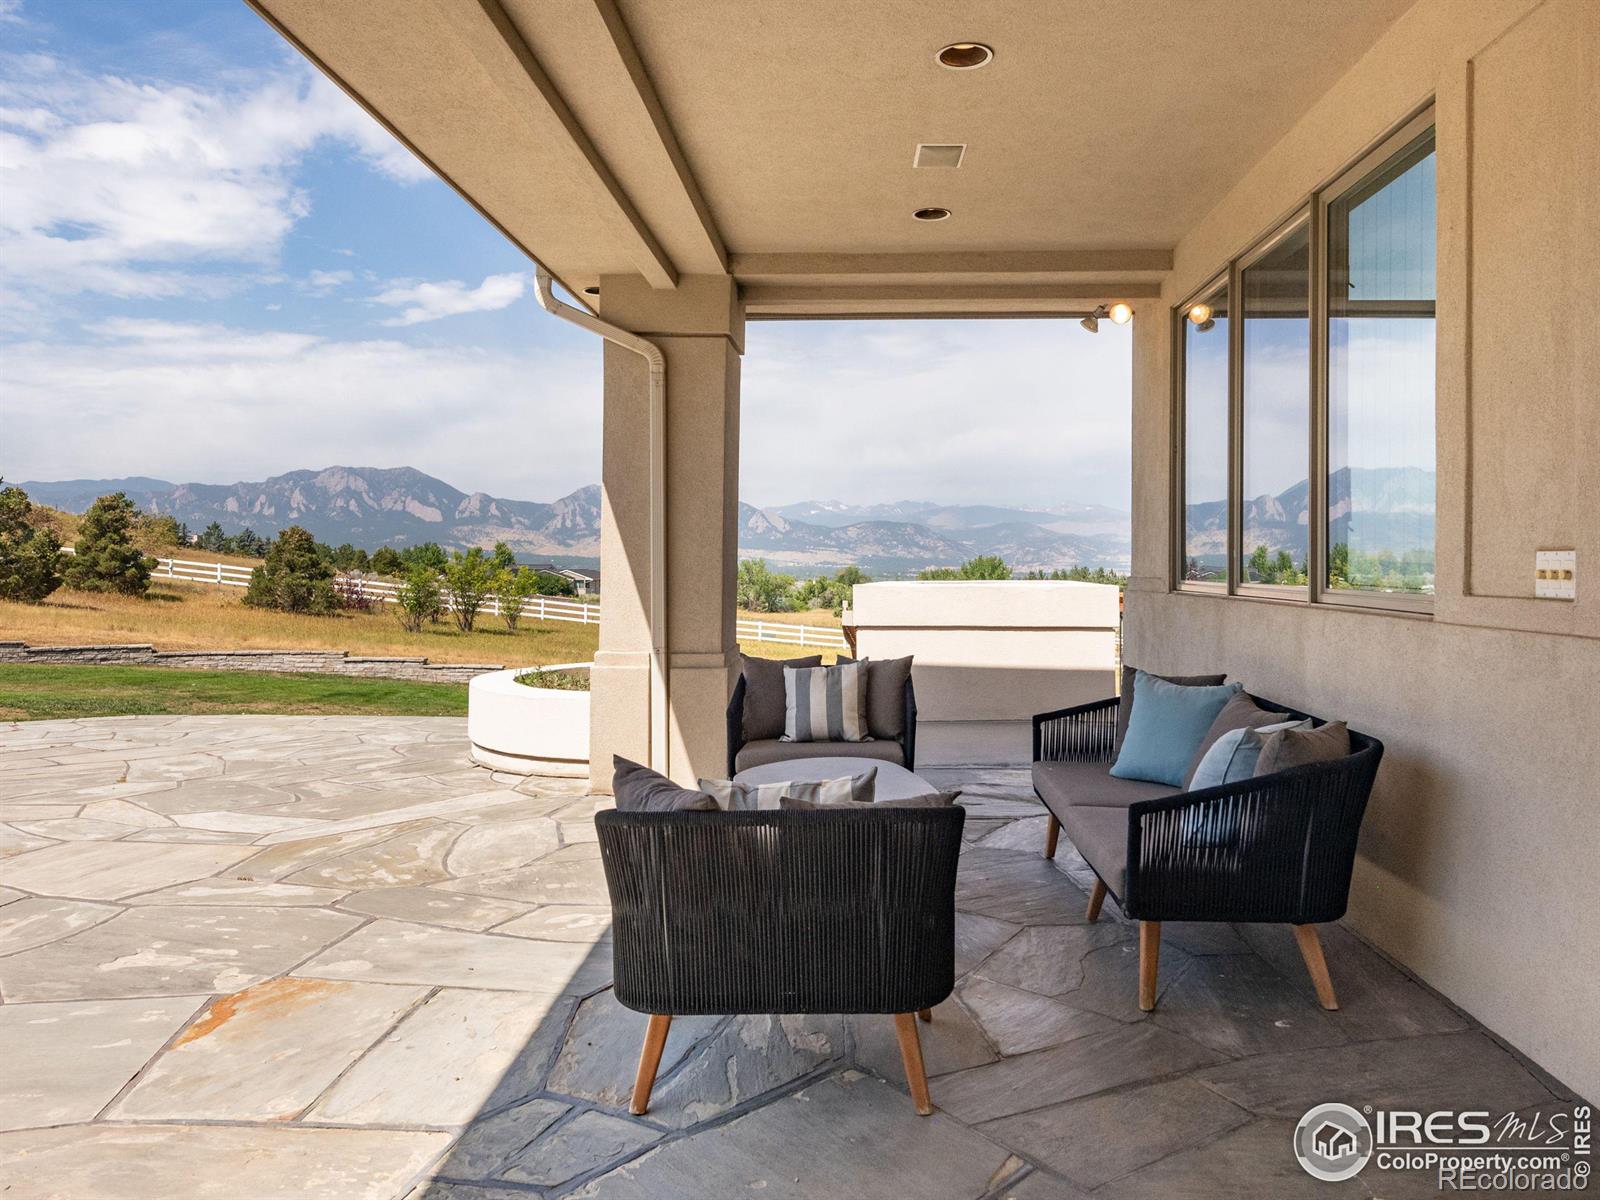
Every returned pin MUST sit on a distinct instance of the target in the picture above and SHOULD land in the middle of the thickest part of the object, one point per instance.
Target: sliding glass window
(1275, 423)
(1380, 497)
(1204, 392)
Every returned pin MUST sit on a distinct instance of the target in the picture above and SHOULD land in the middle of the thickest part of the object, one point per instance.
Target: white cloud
(131, 189)
(1020, 412)
(218, 404)
(320, 283)
(420, 302)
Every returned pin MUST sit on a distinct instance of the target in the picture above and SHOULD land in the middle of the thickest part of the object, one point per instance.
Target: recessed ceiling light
(591, 291)
(931, 214)
(965, 56)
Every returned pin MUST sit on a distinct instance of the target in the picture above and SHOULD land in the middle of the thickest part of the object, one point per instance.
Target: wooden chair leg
(925, 1014)
(1316, 965)
(905, 1028)
(1052, 831)
(1149, 958)
(655, 1040)
(1097, 897)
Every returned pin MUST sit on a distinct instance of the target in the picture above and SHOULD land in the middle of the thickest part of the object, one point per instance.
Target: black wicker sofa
(1274, 848)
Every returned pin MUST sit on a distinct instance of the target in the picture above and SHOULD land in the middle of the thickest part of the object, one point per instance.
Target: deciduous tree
(30, 557)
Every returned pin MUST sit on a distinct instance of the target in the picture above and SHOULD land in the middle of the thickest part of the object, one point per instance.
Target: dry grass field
(194, 616)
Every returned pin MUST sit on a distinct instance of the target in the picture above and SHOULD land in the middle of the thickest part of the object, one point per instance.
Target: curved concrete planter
(527, 730)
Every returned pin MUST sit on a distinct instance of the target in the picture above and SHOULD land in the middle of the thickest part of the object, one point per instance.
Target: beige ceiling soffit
(333, 77)
(953, 262)
(486, 30)
(628, 53)
(791, 300)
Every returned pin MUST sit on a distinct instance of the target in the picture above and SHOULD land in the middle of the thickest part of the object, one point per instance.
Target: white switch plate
(1555, 574)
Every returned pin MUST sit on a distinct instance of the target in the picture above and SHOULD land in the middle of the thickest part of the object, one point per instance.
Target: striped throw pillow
(825, 704)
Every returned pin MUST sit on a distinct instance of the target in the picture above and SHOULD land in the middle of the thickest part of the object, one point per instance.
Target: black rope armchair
(907, 741)
(782, 912)
(1276, 848)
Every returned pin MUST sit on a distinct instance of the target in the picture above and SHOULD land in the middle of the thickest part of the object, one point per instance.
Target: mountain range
(401, 506)
(1372, 507)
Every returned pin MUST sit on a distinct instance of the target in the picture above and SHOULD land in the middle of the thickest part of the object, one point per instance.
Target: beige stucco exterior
(705, 162)
(1477, 864)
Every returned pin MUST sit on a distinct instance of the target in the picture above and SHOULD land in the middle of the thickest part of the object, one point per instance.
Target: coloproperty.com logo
(1466, 1151)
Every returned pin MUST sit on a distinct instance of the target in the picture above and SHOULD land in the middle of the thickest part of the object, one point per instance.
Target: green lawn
(40, 693)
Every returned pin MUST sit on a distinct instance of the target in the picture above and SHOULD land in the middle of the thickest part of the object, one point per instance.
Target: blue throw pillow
(1168, 723)
(1233, 756)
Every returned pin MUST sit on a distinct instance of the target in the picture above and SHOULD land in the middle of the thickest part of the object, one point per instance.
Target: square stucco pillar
(699, 326)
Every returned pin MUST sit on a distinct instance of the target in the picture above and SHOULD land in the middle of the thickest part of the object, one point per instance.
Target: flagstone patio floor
(325, 956)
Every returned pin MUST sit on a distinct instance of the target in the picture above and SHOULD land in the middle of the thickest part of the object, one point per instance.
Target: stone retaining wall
(314, 662)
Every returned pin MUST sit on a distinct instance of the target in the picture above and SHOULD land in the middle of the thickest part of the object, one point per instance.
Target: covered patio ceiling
(776, 142)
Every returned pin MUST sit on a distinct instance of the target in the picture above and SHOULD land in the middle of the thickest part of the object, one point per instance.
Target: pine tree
(106, 560)
(30, 558)
(295, 578)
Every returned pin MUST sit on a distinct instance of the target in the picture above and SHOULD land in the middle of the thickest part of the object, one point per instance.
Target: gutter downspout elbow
(657, 363)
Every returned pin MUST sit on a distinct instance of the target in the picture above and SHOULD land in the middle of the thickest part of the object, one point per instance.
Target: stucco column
(699, 326)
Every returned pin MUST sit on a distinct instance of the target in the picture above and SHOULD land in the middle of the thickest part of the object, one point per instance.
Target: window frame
(1179, 564)
(1312, 213)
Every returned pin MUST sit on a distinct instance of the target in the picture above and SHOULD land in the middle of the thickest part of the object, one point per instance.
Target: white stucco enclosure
(993, 650)
(527, 730)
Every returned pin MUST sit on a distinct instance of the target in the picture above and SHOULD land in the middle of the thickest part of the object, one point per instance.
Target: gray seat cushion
(894, 782)
(1101, 836)
(1064, 785)
(771, 750)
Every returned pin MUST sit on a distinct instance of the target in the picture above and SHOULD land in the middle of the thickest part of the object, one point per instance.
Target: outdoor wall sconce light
(1200, 314)
(1092, 321)
(1121, 313)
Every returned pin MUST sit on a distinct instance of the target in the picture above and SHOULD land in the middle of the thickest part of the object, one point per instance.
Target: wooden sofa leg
(1097, 897)
(925, 1014)
(905, 1028)
(1149, 957)
(1316, 965)
(1052, 831)
(655, 1040)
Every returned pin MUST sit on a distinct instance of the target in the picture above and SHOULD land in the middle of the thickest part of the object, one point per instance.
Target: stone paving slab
(400, 952)
(65, 1062)
(107, 870)
(264, 1054)
(495, 1047)
(848, 1135)
(37, 921)
(168, 951)
(213, 1162)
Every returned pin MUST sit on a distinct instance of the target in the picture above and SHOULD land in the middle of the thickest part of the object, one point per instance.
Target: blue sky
(214, 266)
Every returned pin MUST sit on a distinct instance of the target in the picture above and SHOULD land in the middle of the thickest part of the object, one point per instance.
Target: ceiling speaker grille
(933, 155)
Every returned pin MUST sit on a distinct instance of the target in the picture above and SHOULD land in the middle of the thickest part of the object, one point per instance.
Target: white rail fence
(538, 608)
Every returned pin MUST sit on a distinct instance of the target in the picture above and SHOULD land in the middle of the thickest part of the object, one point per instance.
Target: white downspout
(651, 353)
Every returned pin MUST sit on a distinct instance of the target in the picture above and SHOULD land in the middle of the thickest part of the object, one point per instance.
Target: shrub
(387, 561)
(554, 585)
(561, 681)
(30, 557)
(106, 560)
(351, 591)
(985, 566)
(511, 588)
(468, 579)
(419, 600)
(760, 590)
(428, 554)
(294, 577)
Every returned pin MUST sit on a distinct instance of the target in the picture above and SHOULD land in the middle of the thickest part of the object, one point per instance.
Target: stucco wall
(1477, 866)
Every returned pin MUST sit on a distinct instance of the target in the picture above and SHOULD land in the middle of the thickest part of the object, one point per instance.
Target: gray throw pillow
(1298, 747)
(825, 704)
(1241, 712)
(733, 796)
(886, 696)
(639, 789)
(931, 800)
(1125, 703)
(763, 694)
